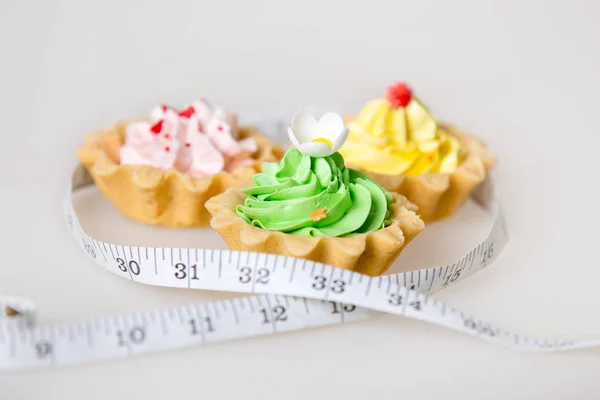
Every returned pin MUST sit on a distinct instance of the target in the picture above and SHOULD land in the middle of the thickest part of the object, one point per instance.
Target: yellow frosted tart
(397, 141)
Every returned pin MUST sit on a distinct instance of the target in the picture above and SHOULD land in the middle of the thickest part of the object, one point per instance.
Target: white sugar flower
(317, 139)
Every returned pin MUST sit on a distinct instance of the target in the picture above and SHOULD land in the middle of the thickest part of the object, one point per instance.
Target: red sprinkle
(188, 144)
(167, 149)
(157, 127)
(219, 128)
(398, 94)
(164, 107)
(167, 136)
(188, 112)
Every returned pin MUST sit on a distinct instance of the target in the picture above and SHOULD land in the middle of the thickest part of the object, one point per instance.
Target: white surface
(523, 76)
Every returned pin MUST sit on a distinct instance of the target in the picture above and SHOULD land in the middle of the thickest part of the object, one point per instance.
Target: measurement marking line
(369, 282)
(201, 314)
(111, 253)
(328, 287)
(235, 313)
(100, 248)
(155, 264)
(293, 269)
(126, 262)
(189, 264)
(432, 279)
(220, 266)
(271, 314)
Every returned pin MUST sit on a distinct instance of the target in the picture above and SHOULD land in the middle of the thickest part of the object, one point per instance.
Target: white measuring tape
(294, 294)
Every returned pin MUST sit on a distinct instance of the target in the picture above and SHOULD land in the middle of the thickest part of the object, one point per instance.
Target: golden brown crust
(440, 195)
(167, 198)
(371, 253)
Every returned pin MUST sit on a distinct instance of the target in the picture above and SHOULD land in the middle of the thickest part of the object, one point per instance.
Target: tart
(311, 206)
(397, 141)
(161, 171)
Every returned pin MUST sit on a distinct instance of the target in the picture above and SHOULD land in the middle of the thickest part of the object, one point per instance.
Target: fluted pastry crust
(439, 195)
(370, 253)
(163, 197)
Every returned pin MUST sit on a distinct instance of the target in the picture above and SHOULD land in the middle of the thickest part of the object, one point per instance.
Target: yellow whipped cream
(398, 135)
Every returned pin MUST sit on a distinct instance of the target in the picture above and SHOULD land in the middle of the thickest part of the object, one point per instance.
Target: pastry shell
(163, 197)
(370, 253)
(440, 195)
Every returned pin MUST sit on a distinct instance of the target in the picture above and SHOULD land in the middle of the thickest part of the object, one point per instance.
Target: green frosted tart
(309, 205)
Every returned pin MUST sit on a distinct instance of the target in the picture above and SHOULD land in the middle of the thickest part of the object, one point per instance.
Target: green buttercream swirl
(285, 194)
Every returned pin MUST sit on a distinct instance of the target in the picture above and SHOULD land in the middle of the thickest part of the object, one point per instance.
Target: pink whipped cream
(198, 141)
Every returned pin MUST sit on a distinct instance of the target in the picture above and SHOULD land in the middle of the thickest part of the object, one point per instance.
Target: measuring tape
(290, 294)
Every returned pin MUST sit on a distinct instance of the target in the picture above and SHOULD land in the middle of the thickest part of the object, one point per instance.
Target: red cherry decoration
(398, 94)
(157, 127)
(188, 112)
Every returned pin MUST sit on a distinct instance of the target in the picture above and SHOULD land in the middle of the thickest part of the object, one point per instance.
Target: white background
(524, 75)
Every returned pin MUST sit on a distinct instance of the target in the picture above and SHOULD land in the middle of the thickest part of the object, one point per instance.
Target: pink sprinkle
(219, 128)
(167, 149)
(167, 136)
(188, 144)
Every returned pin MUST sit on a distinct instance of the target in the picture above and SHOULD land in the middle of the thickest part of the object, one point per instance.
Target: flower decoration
(317, 139)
